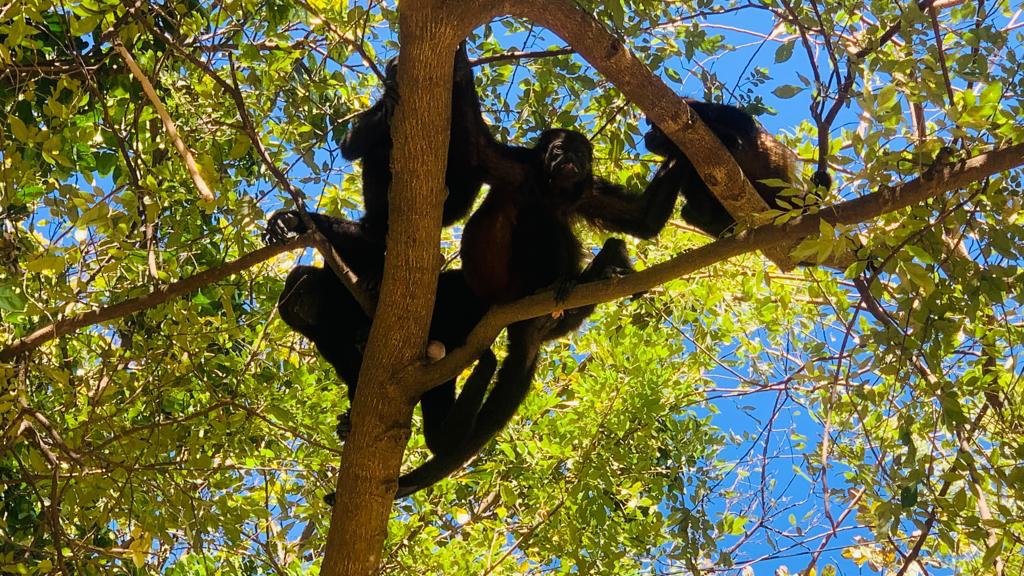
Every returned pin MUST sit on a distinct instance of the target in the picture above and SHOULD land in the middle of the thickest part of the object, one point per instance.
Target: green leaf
(787, 91)
(908, 496)
(784, 52)
(11, 300)
(19, 129)
(44, 263)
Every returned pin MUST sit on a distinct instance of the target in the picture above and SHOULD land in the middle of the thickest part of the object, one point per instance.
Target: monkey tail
(510, 388)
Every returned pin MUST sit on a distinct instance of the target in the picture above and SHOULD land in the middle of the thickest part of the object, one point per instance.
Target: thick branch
(585, 34)
(938, 180)
(154, 298)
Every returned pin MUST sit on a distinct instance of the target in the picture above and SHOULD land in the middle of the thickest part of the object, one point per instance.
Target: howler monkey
(527, 184)
(369, 141)
(757, 152)
(317, 305)
(314, 302)
(521, 240)
(475, 430)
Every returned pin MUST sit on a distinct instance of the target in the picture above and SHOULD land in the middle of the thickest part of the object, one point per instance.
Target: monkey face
(657, 143)
(568, 157)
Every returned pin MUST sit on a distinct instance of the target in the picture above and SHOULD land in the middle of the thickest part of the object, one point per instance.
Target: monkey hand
(462, 66)
(282, 226)
(563, 288)
(657, 142)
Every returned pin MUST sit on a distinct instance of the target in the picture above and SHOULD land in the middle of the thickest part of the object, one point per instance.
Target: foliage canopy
(738, 419)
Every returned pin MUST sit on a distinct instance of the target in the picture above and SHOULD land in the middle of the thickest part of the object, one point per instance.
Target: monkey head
(567, 158)
(658, 143)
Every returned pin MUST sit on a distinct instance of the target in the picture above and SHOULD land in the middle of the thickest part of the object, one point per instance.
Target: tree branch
(186, 155)
(154, 298)
(382, 408)
(939, 179)
(606, 53)
(515, 55)
(331, 257)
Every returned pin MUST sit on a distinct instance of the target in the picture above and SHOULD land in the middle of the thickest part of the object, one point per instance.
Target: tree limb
(517, 55)
(231, 89)
(939, 179)
(157, 296)
(606, 53)
(382, 408)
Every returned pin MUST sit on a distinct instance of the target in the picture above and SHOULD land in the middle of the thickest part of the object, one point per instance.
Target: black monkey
(476, 429)
(521, 240)
(369, 140)
(315, 303)
(757, 152)
(522, 179)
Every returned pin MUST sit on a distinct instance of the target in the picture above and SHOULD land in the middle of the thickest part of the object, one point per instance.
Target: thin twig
(186, 155)
(521, 55)
(934, 17)
(157, 296)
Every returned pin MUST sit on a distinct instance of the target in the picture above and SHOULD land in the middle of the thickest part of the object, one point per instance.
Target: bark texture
(382, 410)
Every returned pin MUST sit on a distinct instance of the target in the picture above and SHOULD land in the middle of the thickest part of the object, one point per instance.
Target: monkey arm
(362, 254)
(464, 173)
(472, 143)
(613, 207)
(372, 128)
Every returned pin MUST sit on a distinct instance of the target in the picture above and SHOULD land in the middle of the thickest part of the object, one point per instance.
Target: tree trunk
(382, 409)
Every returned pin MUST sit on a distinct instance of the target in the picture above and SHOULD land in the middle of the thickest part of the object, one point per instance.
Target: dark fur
(513, 381)
(521, 238)
(537, 250)
(369, 140)
(317, 305)
(758, 153)
(520, 241)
